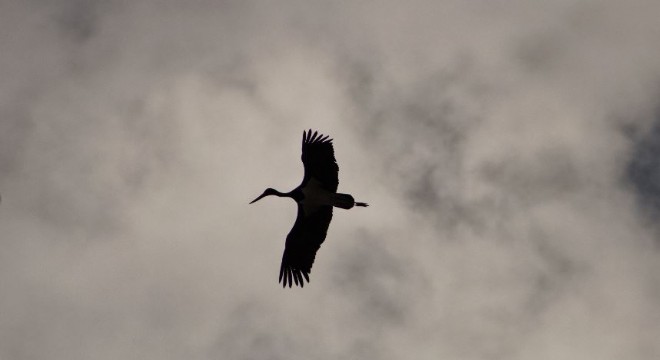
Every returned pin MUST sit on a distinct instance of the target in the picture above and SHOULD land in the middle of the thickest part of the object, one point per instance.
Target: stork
(315, 196)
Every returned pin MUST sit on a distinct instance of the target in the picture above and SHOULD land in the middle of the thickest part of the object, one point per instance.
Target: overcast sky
(508, 150)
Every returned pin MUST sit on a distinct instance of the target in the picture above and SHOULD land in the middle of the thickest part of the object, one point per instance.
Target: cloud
(500, 146)
(644, 170)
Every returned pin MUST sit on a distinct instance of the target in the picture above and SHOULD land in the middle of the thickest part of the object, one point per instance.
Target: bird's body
(316, 196)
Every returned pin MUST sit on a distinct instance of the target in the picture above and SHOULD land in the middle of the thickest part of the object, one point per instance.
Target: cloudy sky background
(508, 150)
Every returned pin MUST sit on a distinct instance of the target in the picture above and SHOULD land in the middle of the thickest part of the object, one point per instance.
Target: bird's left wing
(302, 243)
(318, 157)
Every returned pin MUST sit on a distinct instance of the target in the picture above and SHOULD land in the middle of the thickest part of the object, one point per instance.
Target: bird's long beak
(257, 199)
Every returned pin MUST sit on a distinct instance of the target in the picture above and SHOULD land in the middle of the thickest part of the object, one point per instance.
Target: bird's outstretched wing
(302, 243)
(318, 157)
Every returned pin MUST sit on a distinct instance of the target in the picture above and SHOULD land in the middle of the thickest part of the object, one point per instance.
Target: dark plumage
(316, 196)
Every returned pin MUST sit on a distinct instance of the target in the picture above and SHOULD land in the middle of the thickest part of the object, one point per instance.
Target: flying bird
(315, 196)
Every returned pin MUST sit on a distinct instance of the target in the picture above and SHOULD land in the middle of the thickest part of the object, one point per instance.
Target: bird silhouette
(315, 196)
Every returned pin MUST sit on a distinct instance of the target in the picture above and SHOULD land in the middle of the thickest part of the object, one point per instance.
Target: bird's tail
(346, 201)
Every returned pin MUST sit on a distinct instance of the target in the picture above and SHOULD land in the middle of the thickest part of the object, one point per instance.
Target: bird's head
(267, 192)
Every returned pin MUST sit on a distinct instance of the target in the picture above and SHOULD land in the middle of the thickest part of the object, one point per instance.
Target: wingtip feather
(315, 137)
(289, 277)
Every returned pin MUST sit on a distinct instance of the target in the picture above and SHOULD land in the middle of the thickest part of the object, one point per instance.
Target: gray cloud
(506, 150)
(644, 170)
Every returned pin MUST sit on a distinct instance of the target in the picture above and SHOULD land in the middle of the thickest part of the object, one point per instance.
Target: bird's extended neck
(281, 194)
(293, 194)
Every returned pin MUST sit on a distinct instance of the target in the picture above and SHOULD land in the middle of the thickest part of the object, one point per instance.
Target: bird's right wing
(318, 157)
(302, 243)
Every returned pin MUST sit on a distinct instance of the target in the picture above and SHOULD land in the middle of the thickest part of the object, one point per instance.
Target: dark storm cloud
(78, 19)
(378, 281)
(644, 169)
(486, 137)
